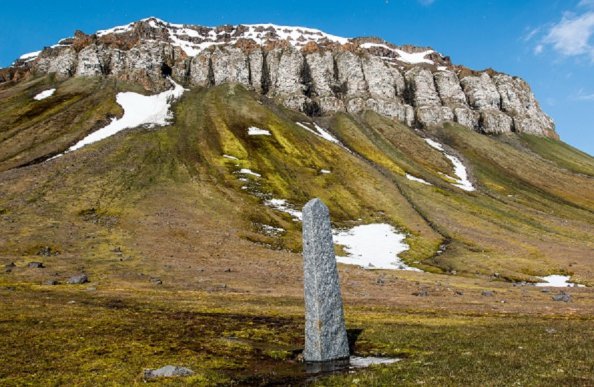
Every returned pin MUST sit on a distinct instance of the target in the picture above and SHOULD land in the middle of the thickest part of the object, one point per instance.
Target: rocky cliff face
(302, 68)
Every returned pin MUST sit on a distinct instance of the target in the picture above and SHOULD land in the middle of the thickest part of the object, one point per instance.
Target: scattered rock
(551, 330)
(545, 290)
(78, 279)
(168, 371)
(380, 281)
(488, 293)
(564, 297)
(50, 282)
(46, 252)
(8, 267)
(35, 265)
(458, 293)
(421, 293)
(228, 270)
(156, 281)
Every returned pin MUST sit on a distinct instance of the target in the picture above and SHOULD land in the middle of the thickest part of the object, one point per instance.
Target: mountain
(178, 155)
(306, 69)
(401, 130)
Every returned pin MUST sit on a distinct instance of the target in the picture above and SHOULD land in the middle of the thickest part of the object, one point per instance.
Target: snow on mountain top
(299, 35)
(403, 56)
(194, 39)
(415, 57)
(30, 56)
(116, 30)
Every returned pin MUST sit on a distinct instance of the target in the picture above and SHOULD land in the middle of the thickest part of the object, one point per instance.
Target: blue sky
(550, 43)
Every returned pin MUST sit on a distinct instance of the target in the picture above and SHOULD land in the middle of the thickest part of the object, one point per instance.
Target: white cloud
(531, 33)
(586, 3)
(572, 36)
(583, 96)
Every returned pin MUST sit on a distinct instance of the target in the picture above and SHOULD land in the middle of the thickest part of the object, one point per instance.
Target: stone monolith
(325, 332)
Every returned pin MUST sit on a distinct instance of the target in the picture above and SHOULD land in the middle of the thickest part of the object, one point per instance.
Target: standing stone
(325, 332)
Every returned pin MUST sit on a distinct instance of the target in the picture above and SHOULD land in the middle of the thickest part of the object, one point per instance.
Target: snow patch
(153, 110)
(193, 41)
(115, 30)
(415, 57)
(374, 45)
(403, 56)
(284, 206)
(363, 362)
(297, 36)
(271, 230)
(230, 157)
(373, 246)
(29, 56)
(246, 171)
(462, 181)
(323, 133)
(557, 281)
(417, 179)
(434, 144)
(460, 171)
(325, 171)
(44, 94)
(253, 131)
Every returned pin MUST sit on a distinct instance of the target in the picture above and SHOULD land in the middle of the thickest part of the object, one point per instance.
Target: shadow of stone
(353, 336)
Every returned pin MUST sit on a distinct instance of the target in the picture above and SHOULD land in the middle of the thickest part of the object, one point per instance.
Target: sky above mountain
(549, 43)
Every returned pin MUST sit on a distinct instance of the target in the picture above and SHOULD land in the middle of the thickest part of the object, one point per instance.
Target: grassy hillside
(171, 205)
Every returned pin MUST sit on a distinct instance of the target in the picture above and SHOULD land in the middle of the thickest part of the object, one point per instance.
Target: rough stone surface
(325, 332)
(304, 72)
(562, 297)
(481, 92)
(450, 91)
(495, 122)
(168, 371)
(78, 279)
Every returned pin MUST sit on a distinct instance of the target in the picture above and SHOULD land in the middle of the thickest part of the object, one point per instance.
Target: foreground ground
(232, 334)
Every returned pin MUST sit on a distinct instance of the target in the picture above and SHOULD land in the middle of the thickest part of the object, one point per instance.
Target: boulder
(168, 371)
(78, 279)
